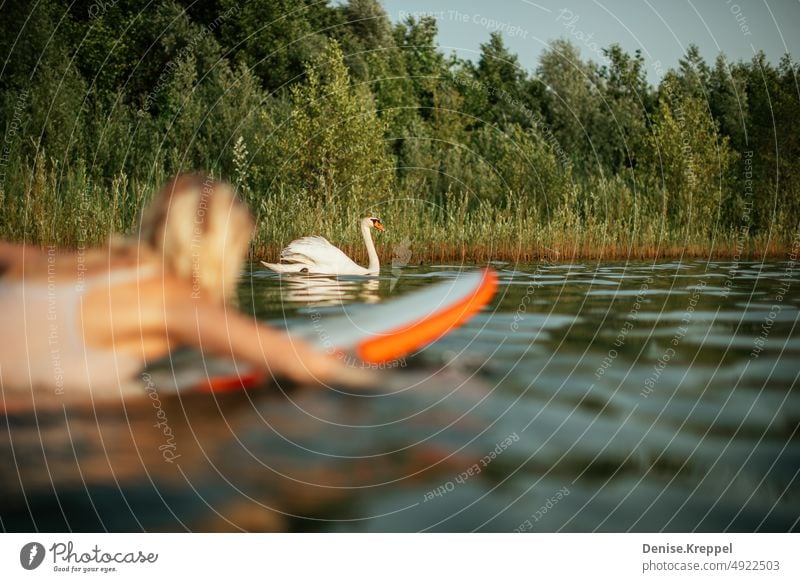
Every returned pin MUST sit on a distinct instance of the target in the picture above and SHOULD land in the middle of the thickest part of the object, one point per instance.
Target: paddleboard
(393, 329)
(375, 334)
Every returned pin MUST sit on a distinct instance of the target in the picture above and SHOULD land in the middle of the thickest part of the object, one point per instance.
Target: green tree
(772, 134)
(40, 84)
(334, 145)
(727, 99)
(501, 85)
(274, 37)
(572, 104)
(688, 159)
(693, 73)
(524, 166)
(425, 65)
(620, 131)
(372, 55)
(788, 150)
(369, 24)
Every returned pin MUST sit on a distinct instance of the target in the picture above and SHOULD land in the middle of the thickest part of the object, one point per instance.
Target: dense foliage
(321, 113)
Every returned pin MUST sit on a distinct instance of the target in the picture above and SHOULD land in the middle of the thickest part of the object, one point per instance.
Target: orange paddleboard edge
(406, 338)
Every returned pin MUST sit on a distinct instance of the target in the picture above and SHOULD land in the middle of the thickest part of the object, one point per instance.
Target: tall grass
(44, 203)
(461, 229)
(47, 204)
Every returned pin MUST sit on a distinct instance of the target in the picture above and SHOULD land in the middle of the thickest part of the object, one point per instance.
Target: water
(587, 397)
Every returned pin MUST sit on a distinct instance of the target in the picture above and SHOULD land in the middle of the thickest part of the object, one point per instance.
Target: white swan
(315, 255)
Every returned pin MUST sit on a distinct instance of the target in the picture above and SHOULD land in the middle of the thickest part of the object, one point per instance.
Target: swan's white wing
(320, 256)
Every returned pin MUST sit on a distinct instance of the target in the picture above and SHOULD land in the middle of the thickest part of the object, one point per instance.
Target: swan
(315, 255)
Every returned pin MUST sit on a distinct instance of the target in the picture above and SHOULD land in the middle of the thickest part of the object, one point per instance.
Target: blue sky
(661, 29)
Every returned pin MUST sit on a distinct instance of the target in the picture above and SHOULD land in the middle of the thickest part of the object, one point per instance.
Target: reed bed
(64, 207)
(533, 251)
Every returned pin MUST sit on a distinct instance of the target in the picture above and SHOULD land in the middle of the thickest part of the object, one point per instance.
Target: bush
(686, 162)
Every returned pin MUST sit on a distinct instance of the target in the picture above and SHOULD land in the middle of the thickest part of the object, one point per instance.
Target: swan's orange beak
(379, 226)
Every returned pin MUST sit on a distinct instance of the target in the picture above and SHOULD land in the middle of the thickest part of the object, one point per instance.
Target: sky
(661, 29)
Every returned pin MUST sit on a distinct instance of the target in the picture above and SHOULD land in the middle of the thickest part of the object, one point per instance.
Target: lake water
(586, 397)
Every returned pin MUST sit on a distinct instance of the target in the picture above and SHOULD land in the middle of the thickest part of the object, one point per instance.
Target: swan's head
(371, 221)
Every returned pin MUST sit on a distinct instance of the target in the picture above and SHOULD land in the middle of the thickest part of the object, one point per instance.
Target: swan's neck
(374, 263)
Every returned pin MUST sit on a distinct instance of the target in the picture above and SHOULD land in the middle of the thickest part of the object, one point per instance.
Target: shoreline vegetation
(332, 113)
(574, 252)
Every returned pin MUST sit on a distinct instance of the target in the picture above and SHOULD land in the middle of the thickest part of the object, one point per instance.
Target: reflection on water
(318, 290)
(587, 397)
